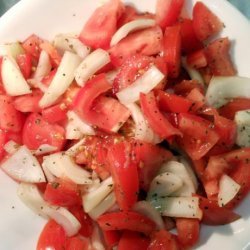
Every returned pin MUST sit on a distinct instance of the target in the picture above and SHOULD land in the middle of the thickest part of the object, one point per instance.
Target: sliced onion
(49, 176)
(11, 49)
(92, 199)
(222, 89)
(131, 27)
(97, 239)
(72, 151)
(111, 75)
(242, 120)
(36, 83)
(62, 79)
(45, 149)
(11, 147)
(90, 65)
(228, 189)
(76, 127)
(65, 42)
(43, 67)
(62, 166)
(103, 206)
(142, 131)
(23, 166)
(145, 208)
(31, 196)
(12, 78)
(144, 84)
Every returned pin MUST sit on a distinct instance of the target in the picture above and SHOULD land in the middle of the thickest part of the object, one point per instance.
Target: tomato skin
(37, 131)
(185, 86)
(125, 174)
(111, 238)
(24, 62)
(155, 118)
(32, 46)
(52, 237)
(77, 243)
(133, 241)
(56, 113)
(127, 220)
(205, 22)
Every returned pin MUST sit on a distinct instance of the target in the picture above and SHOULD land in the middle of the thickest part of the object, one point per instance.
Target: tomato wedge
(32, 46)
(24, 62)
(111, 238)
(56, 113)
(197, 59)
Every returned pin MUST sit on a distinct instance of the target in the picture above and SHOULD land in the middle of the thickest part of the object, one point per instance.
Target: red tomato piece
(199, 136)
(125, 174)
(56, 113)
(218, 58)
(197, 59)
(205, 22)
(29, 102)
(77, 243)
(101, 26)
(155, 118)
(24, 62)
(128, 15)
(185, 86)
(10, 119)
(197, 99)
(146, 42)
(111, 238)
(133, 241)
(62, 193)
(188, 231)
(52, 237)
(37, 131)
(48, 79)
(128, 220)
(32, 46)
(54, 55)
(167, 12)
(199, 167)
(172, 50)
(172, 103)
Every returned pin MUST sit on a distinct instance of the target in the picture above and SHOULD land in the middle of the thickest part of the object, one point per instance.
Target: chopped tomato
(10, 119)
(168, 11)
(205, 22)
(101, 26)
(77, 243)
(197, 59)
(146, 42)
(56, 113)
(199, 143)
(70, 94)
(197, 99)
(125, 174)
(128, 220)
(111, 238)
(48, 79)
(54, 55)
(185, 86)
(133, 241)
(128, 15)
(172, 103)
(37, 131)
(32, 46)
(218, 58)
(188, 231)
(24, 62)
(155, 118)
(172, 50)
(52, 237)
(199, 167)
(62, 193)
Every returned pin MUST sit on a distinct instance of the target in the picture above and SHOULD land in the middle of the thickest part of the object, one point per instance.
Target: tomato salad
(124, 132)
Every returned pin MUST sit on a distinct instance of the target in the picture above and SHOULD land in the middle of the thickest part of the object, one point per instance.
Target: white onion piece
(145, 208)
(72, 151)
(62, 79)
(11, 147)
(242, 120)
(97, 239)
(23, 166)
(144, 84)
(90, 65)
(184, 207)
(12, 78)
(31, 196)
(44, 66)
(103, 206)
(222, 89)
(45, 149)
(111, 75)
(65, 42)
(228, 189)
(36, 83)
(62, 166)
(142, 130)
(49, 176)
(93, 198)
(11, 49)
(76, 127)
(129, 28)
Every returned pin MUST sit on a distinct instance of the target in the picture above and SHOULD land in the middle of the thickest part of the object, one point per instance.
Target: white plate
(19, 227)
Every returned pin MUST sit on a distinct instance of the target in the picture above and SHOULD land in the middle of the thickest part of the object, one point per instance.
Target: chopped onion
(131, 27)
(45, 149)
(103, 206)
(144, 84)
(62, 166)
(145, 208)
(76, 127)
(44, 66)
(90, 65)
(142, 131)
(242, 120)
(62, 79)
(49, 176)
(72, 151)
(12, 78)
(11, 49)
(185, 207)
(228, 189)
(23, 166)
(222, 89)
(93, 198)
(36, 83)
(97, 239)
(11, 147)
(111, 75)
(65, 42)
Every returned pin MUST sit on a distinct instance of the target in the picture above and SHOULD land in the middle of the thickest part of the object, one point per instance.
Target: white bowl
(19, 227)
